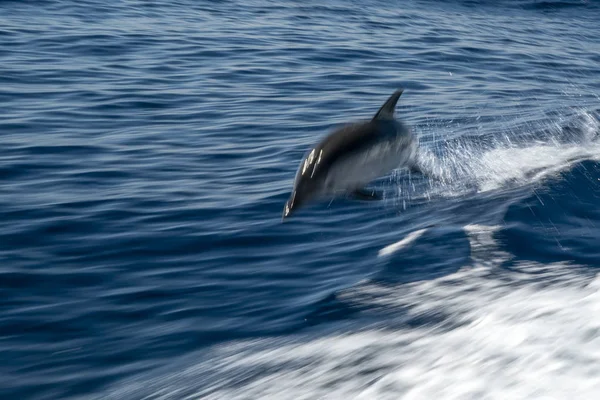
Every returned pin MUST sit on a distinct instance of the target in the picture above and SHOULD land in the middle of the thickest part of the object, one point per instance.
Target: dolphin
(352, 156)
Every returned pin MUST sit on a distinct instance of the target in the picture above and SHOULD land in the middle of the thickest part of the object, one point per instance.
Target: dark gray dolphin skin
(352, 156)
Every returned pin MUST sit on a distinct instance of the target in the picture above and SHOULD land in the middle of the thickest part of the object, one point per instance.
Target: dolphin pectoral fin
(367, 194)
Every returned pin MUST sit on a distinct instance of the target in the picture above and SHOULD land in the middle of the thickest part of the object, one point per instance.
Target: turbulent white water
(465, 167)
(532, 333)
(495, 336)
(498, 338)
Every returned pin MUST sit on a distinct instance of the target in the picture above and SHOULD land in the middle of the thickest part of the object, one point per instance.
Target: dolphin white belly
(357, 170)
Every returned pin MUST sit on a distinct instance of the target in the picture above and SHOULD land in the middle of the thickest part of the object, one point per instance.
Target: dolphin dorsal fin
(388, 109)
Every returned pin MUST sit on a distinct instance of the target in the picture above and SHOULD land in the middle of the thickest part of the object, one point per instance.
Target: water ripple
(148, 149)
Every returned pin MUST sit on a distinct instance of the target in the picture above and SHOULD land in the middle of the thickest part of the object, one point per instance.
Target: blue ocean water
(148, 148)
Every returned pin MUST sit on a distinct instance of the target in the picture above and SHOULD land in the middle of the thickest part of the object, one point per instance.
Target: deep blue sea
(147, 149)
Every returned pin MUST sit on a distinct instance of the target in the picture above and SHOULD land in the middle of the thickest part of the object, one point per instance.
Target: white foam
(465, 165)
(528, 164)
(411, 237)
(497, 337)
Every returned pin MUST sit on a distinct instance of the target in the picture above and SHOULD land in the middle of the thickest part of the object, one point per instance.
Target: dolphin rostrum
(354, 155)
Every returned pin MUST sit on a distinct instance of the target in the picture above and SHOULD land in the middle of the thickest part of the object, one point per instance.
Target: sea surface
(147, 149)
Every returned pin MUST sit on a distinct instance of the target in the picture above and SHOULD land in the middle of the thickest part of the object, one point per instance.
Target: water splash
(523, 154)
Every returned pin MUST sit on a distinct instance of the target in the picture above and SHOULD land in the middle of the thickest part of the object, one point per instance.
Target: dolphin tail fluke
(388, 109)
(366, 194)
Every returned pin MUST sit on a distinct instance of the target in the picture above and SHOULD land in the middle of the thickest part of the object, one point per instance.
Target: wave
(494, 325)
(494, 336)
(538, 5)
(515, 158)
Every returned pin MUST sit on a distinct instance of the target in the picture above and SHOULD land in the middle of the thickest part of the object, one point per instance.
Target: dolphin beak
(287, 210)
(289, 207)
